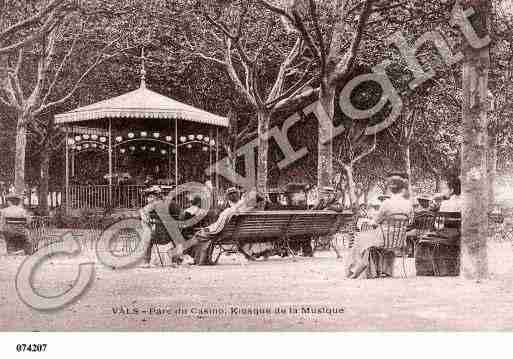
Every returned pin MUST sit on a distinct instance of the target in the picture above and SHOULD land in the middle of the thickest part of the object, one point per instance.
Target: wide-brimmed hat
(399, 174)
(232, 190)
(328, 189)
(156, 190)
(13, 195)
(383, 197)
(437, 196)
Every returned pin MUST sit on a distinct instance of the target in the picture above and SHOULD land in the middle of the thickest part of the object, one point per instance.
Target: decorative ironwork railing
(123, 197)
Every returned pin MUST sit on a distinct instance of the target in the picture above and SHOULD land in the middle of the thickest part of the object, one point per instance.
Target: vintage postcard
(255, 165)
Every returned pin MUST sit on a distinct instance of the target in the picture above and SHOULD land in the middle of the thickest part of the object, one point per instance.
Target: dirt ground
(277, 294)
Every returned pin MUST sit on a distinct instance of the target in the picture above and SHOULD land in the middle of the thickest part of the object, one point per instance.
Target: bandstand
(117, 147)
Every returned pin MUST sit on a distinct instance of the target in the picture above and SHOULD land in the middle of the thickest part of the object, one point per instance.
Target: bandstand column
(110, 162)
(169, 153)
(176, 156)
(210, 136)
(72, 164)
(217, 160)
(66, 176)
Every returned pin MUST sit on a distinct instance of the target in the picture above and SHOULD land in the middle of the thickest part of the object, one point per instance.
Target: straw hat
(153, 190)
(232, 190)
(13, 195)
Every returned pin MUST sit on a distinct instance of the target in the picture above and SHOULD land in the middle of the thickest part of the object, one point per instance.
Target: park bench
(278, 227)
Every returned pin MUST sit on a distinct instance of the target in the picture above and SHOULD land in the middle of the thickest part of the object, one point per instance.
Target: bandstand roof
(142, 103)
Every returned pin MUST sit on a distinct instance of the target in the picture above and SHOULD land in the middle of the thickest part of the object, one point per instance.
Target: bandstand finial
(143, 69)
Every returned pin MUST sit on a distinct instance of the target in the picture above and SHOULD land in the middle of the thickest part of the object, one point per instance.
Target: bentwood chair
(423, 222)
(393, 230)
(447, 227)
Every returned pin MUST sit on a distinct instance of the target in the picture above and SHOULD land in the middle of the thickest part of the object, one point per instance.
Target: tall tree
(335, 60)
(474, 261)
(34, 72)
(241, 50)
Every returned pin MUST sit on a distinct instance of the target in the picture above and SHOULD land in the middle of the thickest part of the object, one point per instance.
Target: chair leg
(158, 253)
(433, 262)
(335, 249)
(405, 256)
(221, 250)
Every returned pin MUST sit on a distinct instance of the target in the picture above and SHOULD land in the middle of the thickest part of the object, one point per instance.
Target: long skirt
(367, 260)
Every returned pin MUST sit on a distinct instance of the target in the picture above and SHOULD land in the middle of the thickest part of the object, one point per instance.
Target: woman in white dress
(361, 264)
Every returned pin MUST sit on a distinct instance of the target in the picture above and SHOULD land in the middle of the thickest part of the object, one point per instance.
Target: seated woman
(249, 201)
(453, 204)
(361, 263)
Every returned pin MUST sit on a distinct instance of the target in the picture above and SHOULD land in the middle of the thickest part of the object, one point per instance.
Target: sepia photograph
(255, 166)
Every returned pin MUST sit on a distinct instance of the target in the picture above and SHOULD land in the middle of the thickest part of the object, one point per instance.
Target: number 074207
(31, 347)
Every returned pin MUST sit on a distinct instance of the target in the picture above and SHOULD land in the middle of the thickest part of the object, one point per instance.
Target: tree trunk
(491, 166)
(43, 183)
(263, 150)
(407, 166)
(474, 261)
(325, 144)
(351, 188)
(19, 159)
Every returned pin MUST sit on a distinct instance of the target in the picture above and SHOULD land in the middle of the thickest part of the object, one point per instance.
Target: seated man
(273, 204)
(436, 202)
(15, 236)
(327, 197)
(249, 201)
(232, 196)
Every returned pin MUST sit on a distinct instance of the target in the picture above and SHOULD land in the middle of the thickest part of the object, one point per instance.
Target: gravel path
(278, 294)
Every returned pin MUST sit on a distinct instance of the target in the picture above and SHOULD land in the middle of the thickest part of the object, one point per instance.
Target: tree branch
(59, 70)
(365, 153)
(346, 63)
(31, 20)
(100, 59)
(280, 78)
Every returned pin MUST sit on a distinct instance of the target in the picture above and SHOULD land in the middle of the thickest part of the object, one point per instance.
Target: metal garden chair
(393, 230)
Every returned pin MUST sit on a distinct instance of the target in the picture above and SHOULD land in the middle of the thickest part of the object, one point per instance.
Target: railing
(89, 196)
(45, 231)
(123, 197)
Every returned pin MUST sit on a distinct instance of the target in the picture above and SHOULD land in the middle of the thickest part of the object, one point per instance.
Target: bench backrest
(258, 226)
(15, 224)
(16, 221)
(448, 220)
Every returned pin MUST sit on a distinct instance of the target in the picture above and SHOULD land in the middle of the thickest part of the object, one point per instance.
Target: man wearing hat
(382, 198)
(436, 202)
(14, 235)
(232, 196)
(327, 198)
